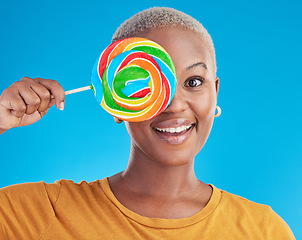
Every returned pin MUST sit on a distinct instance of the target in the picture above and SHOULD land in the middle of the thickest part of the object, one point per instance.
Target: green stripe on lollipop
(130, 73)
(108, 95)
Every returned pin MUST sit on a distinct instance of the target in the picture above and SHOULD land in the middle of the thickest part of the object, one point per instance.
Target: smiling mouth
(174, 135)
(174, 131)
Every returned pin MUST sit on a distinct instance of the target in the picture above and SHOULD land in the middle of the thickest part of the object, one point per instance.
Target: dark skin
(159, 180)
(160, 175)
(28, 100)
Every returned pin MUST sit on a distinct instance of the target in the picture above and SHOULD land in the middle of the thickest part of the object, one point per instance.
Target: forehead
(184, 46)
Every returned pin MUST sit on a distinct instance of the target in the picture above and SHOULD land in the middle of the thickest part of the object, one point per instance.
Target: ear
(217, 86)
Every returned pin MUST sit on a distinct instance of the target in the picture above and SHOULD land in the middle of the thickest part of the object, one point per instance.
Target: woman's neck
(153, 189)
(150, 177)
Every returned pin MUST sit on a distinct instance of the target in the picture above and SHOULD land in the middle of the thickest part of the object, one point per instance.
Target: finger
(56, 91)
(51, 103)
(26, 79)
(11, 100)
(44, 112)
(44, 95)
(31, 99)
(18, 107)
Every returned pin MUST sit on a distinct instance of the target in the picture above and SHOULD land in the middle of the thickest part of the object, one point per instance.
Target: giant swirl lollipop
(134, 79)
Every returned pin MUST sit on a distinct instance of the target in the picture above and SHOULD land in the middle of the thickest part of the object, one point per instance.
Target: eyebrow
(197, 64)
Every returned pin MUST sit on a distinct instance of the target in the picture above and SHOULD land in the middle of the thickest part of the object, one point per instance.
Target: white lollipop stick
(76, 90)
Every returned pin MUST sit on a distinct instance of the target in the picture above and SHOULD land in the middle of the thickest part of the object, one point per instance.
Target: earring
(117, 120)
(218, 111)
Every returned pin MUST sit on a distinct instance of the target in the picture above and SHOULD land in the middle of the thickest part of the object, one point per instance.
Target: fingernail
(61, 106)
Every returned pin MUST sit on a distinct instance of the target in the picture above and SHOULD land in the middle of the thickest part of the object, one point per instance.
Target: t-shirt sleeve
(278, 228)
(26, 209)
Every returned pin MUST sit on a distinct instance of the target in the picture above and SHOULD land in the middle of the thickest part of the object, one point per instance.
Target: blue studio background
(254, 149)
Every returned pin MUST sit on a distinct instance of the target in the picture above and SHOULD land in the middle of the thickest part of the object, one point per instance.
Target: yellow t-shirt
(66, 210)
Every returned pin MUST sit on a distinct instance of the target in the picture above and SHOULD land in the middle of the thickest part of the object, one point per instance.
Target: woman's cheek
(203, 104)
(137, 130)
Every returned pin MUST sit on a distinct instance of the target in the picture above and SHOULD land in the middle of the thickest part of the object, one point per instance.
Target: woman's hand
(27, 101)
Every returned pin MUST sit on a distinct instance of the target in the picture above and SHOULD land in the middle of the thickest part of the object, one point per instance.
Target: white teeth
(178, 129)
(174, 130)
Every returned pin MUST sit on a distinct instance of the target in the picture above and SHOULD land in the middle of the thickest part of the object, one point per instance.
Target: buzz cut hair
(157, 17)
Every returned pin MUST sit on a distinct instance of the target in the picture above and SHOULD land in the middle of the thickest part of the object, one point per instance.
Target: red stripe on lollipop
(141, 93)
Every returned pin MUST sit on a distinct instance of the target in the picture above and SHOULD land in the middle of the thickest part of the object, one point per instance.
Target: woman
(158, 196)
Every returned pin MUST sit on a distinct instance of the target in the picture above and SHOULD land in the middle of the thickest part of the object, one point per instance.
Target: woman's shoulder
(39, 203)
(245, 211)
(241, 203)
(38, 191)
(30, 191)
(31, 201)
(241, 207)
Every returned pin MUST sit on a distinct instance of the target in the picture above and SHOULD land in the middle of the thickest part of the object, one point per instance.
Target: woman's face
(177, 135)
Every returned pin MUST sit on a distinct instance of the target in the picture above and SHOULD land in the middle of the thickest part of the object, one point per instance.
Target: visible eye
(193, 82)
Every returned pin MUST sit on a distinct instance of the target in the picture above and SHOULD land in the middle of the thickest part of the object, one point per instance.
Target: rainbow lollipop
(134, 79)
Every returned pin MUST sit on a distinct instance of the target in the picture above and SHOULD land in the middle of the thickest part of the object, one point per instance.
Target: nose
(178, 103)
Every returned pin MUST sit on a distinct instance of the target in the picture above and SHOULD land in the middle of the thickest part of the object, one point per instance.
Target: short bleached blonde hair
(156, 17)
